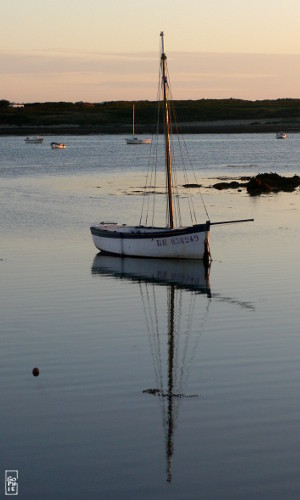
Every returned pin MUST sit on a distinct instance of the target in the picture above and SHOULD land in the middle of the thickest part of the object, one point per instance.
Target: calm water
(156, 381)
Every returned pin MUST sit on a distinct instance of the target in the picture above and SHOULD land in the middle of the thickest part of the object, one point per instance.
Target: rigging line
(156, 158)
(176, 189)
(151, 191)
(155, 350)
(189, 197)
(187, 336)
(174, 308)
(185, 175)
(163, 405)
(195, 178)
(171, 340)
(182, 374)
(177, 330)
(162, 399)
(167, 221)
(157, 339)
(196, 181)
(198, 335)
(175, 177)
(154, 167)
(152, 326)
(144, 193)
(153, 184)
(146, 184)
(152, 163)
(174, 170)
(188, 156)
(167, 132)
(149, 194)
(175, 184)
(186, 178)
(149, 325)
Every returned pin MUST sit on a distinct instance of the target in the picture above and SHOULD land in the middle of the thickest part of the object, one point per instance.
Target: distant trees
(119, 113)
(4, 103)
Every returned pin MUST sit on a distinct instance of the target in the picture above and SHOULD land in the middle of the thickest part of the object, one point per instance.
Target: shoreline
(212, 127)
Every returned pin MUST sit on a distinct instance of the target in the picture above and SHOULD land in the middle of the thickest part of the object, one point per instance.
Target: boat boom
(231, 221)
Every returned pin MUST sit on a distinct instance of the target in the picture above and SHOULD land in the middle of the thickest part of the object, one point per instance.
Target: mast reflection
(183, 282)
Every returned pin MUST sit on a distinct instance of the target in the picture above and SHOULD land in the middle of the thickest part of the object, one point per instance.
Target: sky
(102, 50)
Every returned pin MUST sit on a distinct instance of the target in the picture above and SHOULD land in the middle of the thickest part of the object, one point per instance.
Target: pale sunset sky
(101, 50)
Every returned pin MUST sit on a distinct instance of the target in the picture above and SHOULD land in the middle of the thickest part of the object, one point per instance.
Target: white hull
(138, 241)
(34, 140)
(56, 145)
(136, 140)
(281, 135)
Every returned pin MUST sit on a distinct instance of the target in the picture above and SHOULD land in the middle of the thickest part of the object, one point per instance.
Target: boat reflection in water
(186, 274)
(169, 292)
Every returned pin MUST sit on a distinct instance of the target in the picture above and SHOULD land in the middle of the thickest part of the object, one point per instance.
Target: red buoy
(35, 372)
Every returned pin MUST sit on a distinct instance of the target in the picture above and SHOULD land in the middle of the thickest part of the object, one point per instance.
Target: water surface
(156, 381)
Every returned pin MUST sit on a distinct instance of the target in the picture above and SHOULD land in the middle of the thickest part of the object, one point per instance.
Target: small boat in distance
(58, 145)
(34, 140)
(281, 135)
(133, 139)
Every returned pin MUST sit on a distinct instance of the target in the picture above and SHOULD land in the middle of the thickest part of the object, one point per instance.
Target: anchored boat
(174, 240)
(133, 139)
(34, 140)
(281, 135)
(58, 145)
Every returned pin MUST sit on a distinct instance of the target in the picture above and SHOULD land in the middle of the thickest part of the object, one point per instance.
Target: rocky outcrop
(228, 185)
(261, 184)
(272, 183)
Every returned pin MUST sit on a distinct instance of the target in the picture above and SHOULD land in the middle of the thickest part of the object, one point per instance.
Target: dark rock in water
(257, 186)
(227, 185)
(262, 184)
(272, 182)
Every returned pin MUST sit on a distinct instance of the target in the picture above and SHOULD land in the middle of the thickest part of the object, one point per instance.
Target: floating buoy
(35, 372)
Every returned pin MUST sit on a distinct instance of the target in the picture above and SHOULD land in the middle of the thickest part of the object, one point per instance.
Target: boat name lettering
(161, 243)
(184, 239)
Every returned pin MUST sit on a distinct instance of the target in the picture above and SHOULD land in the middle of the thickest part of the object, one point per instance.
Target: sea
(156, 379)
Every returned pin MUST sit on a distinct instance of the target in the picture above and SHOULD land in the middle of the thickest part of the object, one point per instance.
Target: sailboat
(173, 241)
(133, 139)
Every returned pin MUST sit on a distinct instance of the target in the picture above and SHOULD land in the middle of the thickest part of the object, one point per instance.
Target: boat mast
(133, 121)
(170, 393)
(167, 132)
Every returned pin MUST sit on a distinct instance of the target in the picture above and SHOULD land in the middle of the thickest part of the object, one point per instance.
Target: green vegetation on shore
(116, 116)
